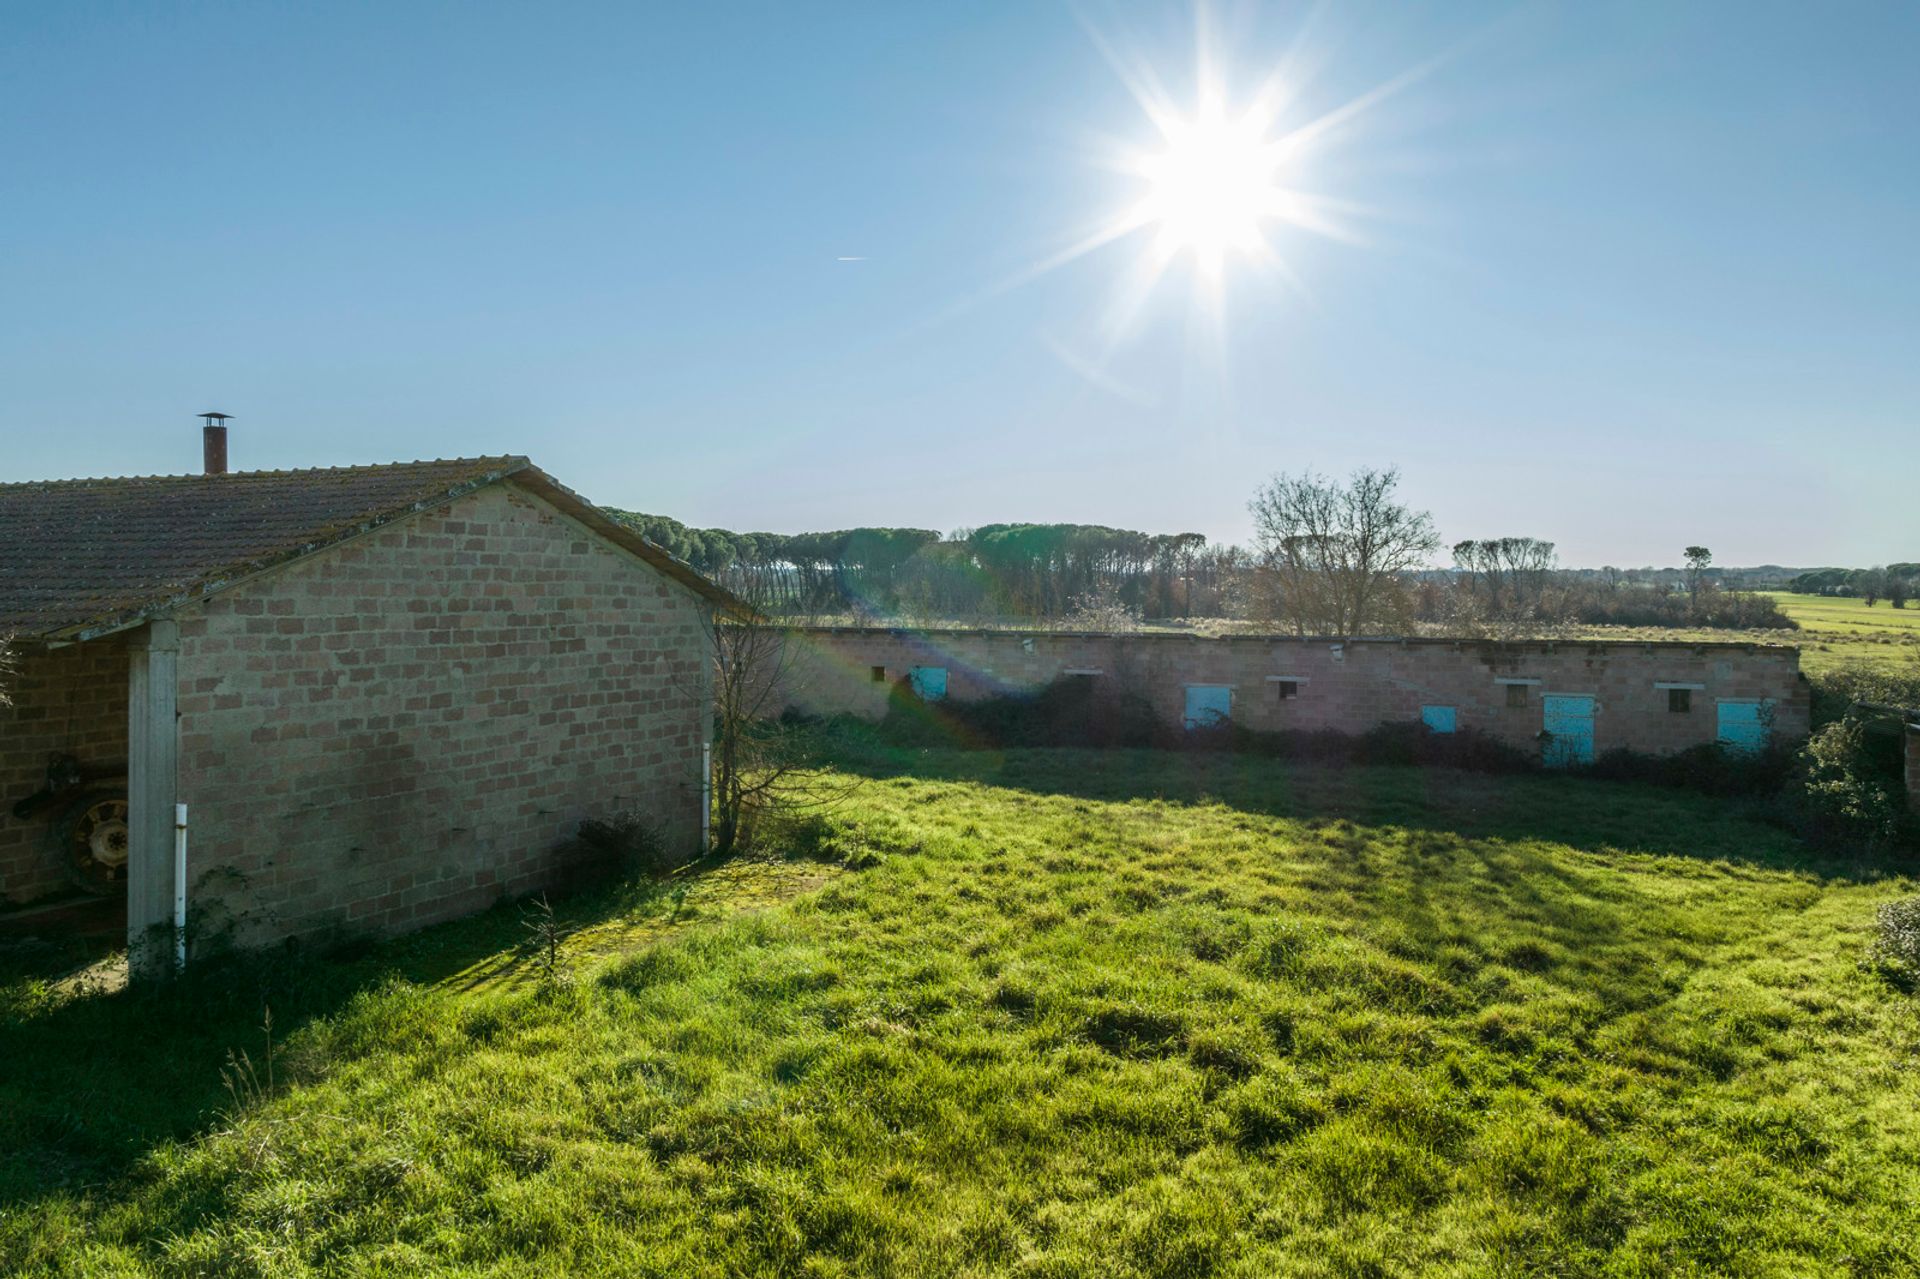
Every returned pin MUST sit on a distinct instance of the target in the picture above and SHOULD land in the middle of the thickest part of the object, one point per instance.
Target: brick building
(385, 694)
(1585, 697)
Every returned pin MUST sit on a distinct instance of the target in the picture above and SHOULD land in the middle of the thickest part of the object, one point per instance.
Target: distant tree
(1698, 558)
(1337, 556)
(1508, 575)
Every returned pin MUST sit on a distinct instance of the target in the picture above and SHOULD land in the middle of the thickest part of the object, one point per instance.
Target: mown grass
(1077, 1013)
(1847, 615)
(1837, 633)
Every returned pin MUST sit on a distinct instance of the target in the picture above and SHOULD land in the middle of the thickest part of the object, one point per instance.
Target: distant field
(1075, 1013)
(1834, 633)
(1838, 632)
(1850, 616)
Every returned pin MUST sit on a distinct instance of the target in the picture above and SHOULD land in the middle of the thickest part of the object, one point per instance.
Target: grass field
(1834, 634)
(1052, 1013)
(1840, 615)
(1838, 632)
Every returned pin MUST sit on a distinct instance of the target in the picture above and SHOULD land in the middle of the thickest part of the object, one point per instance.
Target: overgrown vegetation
(1843, 788)
(758, 769)
(628, 843)
(1896, 945)
(1085, 1012)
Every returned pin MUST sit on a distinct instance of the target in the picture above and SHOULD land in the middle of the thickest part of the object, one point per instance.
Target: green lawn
(1061, 1013)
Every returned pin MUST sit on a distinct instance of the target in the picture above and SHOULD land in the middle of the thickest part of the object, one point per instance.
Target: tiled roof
(81, 557)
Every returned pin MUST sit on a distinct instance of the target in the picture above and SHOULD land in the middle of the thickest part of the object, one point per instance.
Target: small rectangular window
(1285, 690)
(1680, 700)
(879, 675)
(1516, 695)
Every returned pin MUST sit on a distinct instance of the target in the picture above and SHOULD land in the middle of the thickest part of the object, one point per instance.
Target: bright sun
(1211, 185)
(1218, 185)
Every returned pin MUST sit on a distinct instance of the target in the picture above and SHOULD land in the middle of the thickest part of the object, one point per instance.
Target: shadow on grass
(92, 1076)
(1592, 815)
(1447, 888)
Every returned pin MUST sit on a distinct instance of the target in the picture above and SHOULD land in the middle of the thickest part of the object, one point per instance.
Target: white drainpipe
(706, 795)
(180, 887)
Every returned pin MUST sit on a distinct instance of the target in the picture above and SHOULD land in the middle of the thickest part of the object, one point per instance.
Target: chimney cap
(214, 419)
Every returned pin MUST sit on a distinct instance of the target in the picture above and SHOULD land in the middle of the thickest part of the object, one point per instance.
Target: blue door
(929, 682)
(1438, 718)
(1209, 705)
(1743, 726)
(1568, 721)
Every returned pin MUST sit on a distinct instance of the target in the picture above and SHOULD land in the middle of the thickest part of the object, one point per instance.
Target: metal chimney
(213, 438)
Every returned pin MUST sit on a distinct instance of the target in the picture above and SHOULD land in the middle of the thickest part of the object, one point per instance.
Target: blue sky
(1625, 276)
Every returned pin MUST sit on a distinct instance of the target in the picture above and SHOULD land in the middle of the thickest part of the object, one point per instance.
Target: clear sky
(1624, 276)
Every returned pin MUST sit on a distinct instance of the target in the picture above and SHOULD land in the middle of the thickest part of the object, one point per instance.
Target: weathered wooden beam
(153, 755)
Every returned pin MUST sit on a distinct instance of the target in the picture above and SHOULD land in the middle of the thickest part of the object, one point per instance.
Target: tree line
(1329, 557)
(1002, 570)
(1894, 583)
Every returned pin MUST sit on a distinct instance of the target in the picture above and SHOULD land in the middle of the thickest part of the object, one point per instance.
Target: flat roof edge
(1462, 641)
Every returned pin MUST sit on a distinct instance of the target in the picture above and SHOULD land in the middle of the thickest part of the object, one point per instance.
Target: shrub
(1844, 792)
(1844, 787)
(1835, 692)
(1650, 606)
(1711, 767)
(622, 842)
(1896, 948)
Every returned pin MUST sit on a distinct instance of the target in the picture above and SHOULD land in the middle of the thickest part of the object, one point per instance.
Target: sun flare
(1211, 185)
(1220, 186)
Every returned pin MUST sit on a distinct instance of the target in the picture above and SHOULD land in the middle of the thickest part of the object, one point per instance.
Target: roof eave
(564, 499)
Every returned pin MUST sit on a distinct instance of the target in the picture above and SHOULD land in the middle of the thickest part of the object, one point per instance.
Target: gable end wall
(409, 726)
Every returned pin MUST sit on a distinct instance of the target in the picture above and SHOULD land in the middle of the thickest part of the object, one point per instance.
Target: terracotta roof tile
(82, 556)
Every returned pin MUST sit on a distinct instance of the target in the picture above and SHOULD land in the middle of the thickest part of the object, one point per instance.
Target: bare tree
(1100, 611)
(1335, 557)
(762, 763)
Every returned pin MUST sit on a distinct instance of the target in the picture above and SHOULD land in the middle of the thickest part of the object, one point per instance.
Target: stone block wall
(1350, 686)
(409, 726)
(70, 701)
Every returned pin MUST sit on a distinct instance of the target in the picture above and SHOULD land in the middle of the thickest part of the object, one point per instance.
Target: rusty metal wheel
(93, 839)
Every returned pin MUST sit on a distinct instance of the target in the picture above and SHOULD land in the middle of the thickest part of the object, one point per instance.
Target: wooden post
(153, 754)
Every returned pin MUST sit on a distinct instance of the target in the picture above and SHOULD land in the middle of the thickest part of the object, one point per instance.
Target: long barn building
(1573, 699)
